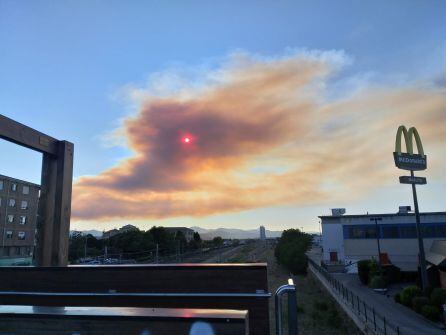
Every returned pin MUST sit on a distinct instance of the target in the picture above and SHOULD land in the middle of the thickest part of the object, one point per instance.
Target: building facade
(124, 229)
(350, 238)
(18, 215)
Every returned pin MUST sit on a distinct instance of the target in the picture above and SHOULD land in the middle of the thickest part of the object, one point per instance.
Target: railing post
(292, 311)
(374, 319)
(292, 308)
(385, 326)
(365, 311)
(359, 307)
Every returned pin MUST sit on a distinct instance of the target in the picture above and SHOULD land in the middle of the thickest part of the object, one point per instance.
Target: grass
(318, 313)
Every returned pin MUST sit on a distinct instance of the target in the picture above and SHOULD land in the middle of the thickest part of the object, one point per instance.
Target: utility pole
(377, 240)
(85, 246)
(156, 255)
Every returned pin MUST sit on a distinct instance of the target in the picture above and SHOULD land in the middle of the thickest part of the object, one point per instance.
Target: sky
(289, 108)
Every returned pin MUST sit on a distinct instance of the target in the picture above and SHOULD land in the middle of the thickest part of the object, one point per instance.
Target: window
(9, 234)
(25, 189)
(428, 231)
(1, 184)
(11, 203)
(22, 219)
(24, 204)
(408, 231)
(358, 232)
(10, 218)
(390, 232)
(13, 187)
(370, 232)
(441, 230)
(21, 235)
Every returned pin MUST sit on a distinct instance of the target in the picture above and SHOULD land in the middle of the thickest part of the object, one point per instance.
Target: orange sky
(264, 133)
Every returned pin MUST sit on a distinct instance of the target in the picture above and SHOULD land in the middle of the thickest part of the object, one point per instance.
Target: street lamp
(377, 240)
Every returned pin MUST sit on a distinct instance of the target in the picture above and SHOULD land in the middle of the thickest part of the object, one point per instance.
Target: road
(410, 323)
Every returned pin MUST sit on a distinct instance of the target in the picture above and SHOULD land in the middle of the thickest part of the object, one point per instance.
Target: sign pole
(413, 162)
(424, 282)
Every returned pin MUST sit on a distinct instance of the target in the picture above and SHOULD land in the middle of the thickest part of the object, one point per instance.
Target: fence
(371, 319)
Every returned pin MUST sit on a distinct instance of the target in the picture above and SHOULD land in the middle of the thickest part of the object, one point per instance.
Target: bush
(364, 271)
(408, 293)
(438, 297)
(418, 303)
(431, 312)
(333, 319)
(374, 268)
(378, 282)
(392, 274)
(320, 305)
(397, 298)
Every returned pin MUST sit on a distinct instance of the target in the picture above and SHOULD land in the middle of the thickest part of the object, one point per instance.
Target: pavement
(410, 323)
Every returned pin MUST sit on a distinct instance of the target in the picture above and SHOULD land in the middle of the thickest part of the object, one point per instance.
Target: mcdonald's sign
(408, 160)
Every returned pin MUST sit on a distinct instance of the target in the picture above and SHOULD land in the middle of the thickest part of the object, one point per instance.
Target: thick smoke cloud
(261, 134)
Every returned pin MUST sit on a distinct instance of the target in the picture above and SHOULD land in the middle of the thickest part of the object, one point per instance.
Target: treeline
(137, 244)
(291, 248)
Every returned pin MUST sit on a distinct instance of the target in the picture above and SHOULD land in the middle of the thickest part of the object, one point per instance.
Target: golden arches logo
(409, 136)
(408, 160)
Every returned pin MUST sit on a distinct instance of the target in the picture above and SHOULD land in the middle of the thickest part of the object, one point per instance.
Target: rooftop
(378, 215)
(19, 180)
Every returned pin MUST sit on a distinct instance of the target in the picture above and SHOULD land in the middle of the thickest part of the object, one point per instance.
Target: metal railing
(371, 319)
(290, 290)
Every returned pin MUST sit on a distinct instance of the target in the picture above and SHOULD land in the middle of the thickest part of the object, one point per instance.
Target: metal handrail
(290, 289)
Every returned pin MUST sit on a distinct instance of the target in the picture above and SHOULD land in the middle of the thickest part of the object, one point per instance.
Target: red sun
(186, 139)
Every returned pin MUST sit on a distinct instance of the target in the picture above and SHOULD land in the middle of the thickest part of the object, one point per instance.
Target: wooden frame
(53, 221)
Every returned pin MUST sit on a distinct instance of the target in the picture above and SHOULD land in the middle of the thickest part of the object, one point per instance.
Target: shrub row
(430, 307)
(368, 270)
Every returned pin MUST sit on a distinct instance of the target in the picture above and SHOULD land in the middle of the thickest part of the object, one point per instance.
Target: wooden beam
(20, 134)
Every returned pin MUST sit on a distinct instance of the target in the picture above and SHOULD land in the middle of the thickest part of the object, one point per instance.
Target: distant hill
(228, 233)
(209, 234)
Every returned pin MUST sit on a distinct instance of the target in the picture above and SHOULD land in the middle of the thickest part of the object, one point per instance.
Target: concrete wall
(332, 240)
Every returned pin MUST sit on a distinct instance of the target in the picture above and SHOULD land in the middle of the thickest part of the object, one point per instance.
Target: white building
(262, 233)
(350, 238)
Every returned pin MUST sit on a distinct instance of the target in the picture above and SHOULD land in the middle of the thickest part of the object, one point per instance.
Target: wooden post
(45, 214)
(62, 208)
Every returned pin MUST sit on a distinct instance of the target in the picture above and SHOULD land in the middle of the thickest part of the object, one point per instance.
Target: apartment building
(18, 215)
(188, 233)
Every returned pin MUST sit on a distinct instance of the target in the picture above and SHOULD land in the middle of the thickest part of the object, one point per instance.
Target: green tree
(196, 242)
(217, 241)
(291, 248)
